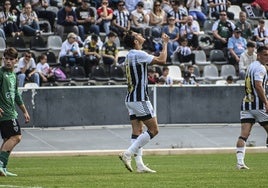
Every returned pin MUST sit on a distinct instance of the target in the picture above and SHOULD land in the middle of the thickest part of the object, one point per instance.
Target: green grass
(216, 170)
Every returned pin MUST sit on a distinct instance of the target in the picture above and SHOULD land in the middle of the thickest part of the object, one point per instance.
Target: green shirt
(9, 95)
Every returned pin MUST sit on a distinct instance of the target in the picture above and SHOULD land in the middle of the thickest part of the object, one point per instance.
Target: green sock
(4, 158)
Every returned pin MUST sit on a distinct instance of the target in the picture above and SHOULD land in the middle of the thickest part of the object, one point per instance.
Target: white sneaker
(145, 169)
(2, 170)
(126, 160)
(242, 167)
(9, 173)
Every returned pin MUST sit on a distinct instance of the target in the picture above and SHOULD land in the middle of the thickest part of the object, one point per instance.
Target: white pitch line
(15, 186)
(41, 140)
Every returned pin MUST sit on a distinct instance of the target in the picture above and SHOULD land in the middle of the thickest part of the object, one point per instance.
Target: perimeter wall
(99, 105)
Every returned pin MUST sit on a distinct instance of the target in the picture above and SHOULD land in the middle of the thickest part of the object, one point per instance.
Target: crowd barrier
(104, 105)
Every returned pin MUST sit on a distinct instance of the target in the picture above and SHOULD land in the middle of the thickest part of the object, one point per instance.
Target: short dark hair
(94, 37)
(11, 52)
(112, 34)
(251, 44)
(261, 49)
(129, 40)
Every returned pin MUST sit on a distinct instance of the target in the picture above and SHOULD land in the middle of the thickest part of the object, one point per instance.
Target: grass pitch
(215, 170)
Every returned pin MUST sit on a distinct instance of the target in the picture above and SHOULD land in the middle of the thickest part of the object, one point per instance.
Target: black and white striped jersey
(255, 72)
(121, 17)
(136, 71)
(218, 8)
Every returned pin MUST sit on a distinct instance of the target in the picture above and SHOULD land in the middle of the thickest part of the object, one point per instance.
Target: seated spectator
(190, 68)
(191, 32)
(174, 34)
(247, 57)
(86, 20)
(261, 34)
(153, 76)
(178, 13)
(216, 7)
(187, 80)
(26, 70)
(29, 21)
(140, 19)
(109, 52)
(236, 46)
(121, 19)
(167, 79)
(40, 7)
(229, 80)
(261, 5)
(70, 54)
(9, 20)
(74, 3)
(66, 20)
(195, 10)
(222, 30)
(44, 71)
(184, 52)
(158, 17)
(244, 26)
(91, 54)
(105, 16)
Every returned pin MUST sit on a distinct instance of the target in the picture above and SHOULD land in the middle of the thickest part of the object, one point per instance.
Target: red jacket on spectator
(262, 3)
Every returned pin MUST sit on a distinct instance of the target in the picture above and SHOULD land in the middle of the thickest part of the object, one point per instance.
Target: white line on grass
(15, 186)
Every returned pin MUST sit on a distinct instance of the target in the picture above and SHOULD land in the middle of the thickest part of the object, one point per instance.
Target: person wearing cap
(140, 19)
(246, 58)
(222, 30)
(66, 20)
(261, 34)
(236, 46)
(105, 16)
(86, 20)
(121, 19)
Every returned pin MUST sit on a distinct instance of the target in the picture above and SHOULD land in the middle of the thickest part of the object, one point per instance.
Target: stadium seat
(236, 10)
(228, 70)
(54, 43)
(117, 74)
(98, 74)
(207, 27)
(31, 85)
(175, 73)
(52, 59)
(200, 58)
(122, 56)
(197, 73)
(217, 57)
(2, 46)
(37, 43)
(19, 44)
(211, 73)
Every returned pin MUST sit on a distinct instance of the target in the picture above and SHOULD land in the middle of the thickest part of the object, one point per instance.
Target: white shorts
(141, 110)
(250, 116)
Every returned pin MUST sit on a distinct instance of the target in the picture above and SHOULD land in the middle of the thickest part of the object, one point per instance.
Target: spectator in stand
(157, 16)
(246, 58)
(86, 20)
(222, 30)
(179, 14)
(244, 25)
(131, 5)
(236, 46)
(140, 19)
(166, 6)
(26, 70)
(29, 21)
(153, 76)
(184, 52)
(121, 19)
(9, 20)
(261, 34)
(91, 54)
(167, 79)
(195, 10)
(105, 16)
(75, 3)
(217, 6)
(40, 7)
(70, 54)
(174, 34)
(43, 69)
(187, 80)
(262, 5)
(191, 32)
(66, 20)
(109, 52)
(190, 68)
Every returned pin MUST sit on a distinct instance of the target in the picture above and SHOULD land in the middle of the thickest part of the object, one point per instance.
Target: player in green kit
(9, 98)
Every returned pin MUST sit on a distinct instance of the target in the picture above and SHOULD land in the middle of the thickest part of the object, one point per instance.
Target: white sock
(240, 154)
(138, 155)
(143, 139)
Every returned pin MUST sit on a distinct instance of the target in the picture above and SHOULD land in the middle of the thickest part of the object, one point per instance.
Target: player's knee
(16, 139)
